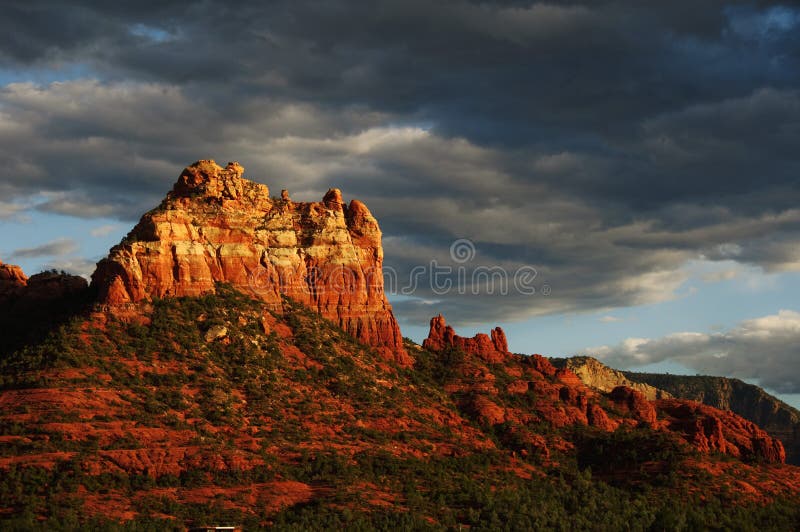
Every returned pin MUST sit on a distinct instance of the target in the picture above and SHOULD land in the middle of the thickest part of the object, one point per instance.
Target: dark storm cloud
(604, 144)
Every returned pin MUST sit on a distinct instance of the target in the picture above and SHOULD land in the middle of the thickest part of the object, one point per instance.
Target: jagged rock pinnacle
(492, 349)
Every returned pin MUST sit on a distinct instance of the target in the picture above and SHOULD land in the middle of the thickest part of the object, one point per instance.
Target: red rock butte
(215, 226)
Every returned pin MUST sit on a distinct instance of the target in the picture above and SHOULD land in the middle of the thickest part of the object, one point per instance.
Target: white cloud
(764, 349)
(58, 247)
(10, 210)
(104, 230)
(73, 265)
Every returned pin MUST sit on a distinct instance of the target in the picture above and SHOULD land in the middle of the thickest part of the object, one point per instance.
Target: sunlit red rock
(598, 417)
(12, 281)
(635, 403)
(492, 349)
(215, 226)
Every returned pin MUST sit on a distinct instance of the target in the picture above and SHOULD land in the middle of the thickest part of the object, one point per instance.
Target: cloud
(605, 145)
(10, 210)
(590, 255)
(762, 349)
(104, 230)
(59, 247)
(610, 319)
(72, 265)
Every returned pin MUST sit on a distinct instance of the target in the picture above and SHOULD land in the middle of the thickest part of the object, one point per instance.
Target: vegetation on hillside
(263, 418)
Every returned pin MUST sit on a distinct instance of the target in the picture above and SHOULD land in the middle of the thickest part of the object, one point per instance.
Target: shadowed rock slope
(235, 362)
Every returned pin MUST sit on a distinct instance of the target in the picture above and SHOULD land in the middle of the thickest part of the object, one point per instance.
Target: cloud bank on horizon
(763, 349)
(605, 144)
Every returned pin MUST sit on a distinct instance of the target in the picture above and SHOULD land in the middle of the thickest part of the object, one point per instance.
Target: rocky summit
(215, 226)
(235, 362)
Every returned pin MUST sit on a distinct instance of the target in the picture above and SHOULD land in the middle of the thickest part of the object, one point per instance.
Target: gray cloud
(59, 247)
(763, 349)
(602, 143)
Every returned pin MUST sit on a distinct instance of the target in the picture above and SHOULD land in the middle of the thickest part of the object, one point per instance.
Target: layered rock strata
(215, 226)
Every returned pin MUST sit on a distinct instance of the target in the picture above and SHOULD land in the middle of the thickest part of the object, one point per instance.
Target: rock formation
(19, 290)
(635, 403)
(710, 429)
(637, 394)
(215, 226)
(749, 401)
(492, 349)
(12, 281)
(597, 375)
(32, 306)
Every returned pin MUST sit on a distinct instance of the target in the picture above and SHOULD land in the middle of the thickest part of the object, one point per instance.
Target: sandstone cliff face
(492, 349)
(597, 375)
(215, 226)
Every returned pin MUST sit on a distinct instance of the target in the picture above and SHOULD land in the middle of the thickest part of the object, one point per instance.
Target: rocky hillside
(597, 375)
(234, 362)
(746, 400)
(217, 409)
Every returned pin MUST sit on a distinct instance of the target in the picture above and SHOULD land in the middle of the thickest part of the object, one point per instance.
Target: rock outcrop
(215, 226)
(597, 375)
(635, 403)
(778, 419)
(12, 282)
(710, 429)
(32, 306)
(492, 349)
(749, 401)
(18, 290)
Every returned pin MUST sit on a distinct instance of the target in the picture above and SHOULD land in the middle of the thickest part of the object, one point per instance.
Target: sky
(618, 179)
